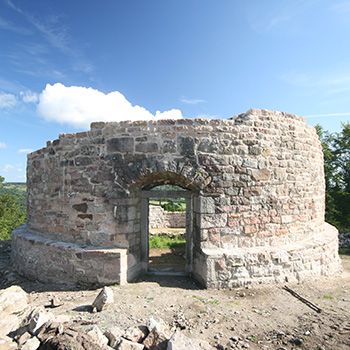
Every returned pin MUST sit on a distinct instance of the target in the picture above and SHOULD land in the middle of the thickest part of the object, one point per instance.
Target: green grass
(166, 241)
(328, 297)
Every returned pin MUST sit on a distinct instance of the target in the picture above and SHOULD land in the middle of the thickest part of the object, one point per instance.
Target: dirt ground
(261, 317)
(167, 259)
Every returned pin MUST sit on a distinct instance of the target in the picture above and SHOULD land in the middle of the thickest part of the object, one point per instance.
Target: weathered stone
(135, 334)
(31, 344)
(71, 340)
(104, 298)
(179, 341)
(23, 338)
(114, 336)
(97, 336)
(158, 336)
(156, 340)
(120, 144)
(37, 318)
(13, 300)
(186, 146)
(9, 323)
(129, 345)
(261, 175)
(6, 343)
(146, 147)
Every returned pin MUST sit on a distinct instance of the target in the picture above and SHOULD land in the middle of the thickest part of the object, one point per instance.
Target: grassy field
(166, 241)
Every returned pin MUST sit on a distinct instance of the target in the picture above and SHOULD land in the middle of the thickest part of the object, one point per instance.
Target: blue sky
(66, 63)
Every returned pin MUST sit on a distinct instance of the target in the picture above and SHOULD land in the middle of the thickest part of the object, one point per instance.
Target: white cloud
(25, 150)
(3, 145)
(79, 106)
(29, 96)
(7, 100)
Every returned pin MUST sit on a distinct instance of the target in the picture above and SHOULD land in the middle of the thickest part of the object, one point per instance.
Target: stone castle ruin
(254, 190)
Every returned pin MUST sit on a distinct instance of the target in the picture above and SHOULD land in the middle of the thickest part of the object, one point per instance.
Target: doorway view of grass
(167, 234)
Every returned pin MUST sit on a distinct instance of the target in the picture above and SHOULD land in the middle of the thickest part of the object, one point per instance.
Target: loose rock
(129, 345)
(13, 300)
(31, 344)
(97, 336)
(37, 318)
(114, 336)
(104, 298)
(179, 341)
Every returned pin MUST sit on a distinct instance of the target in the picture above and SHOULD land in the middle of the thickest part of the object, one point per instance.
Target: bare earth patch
(261, 317)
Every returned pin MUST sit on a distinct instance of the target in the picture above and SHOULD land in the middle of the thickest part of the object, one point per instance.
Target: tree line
(336, 149)
(12, 208)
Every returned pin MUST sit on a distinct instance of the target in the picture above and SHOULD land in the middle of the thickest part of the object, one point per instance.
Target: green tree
(12, 212)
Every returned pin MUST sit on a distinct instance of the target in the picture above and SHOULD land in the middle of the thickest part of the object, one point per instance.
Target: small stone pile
(27, 328)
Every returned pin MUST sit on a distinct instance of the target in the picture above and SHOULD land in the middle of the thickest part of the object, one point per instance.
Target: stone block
(103, 299)
(13, 300)
(114, 336)
(31, 344)
(97, 336)
(120, 145)
(129, 345)
(207, 205)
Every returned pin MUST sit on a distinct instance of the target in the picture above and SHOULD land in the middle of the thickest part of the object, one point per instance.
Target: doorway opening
(167, 230)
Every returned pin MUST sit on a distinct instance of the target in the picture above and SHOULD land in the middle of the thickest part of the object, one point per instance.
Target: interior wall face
(258, 181)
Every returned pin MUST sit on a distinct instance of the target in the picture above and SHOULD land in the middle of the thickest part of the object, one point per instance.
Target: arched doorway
(174, 254)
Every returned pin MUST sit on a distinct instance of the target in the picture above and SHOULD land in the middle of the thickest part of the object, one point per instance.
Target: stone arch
(151, 180)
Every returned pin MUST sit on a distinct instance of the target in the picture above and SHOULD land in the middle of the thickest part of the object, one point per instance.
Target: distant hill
(18, 189)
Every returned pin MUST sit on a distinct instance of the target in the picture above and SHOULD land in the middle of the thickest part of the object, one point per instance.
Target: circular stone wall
(257, 187)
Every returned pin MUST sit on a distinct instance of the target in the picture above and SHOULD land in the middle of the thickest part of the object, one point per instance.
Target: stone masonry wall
(160, 218)
(257, 181)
